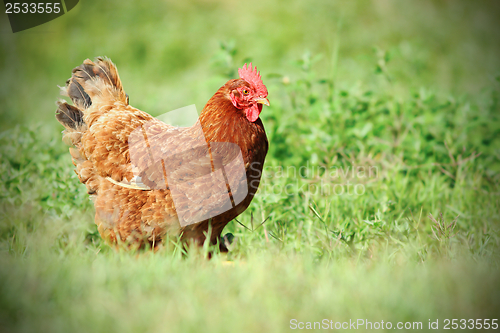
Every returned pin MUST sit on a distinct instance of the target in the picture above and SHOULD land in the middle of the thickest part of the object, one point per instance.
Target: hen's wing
(203, 179)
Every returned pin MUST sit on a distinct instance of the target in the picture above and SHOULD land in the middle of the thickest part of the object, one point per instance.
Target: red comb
(251, 75)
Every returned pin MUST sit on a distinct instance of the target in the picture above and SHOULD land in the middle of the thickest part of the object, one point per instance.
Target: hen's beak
(262, 100)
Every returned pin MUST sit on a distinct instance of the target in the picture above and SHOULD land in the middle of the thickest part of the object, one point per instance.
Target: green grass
(380, 193)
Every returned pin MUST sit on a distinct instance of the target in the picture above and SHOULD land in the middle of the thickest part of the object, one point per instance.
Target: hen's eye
(245, 92)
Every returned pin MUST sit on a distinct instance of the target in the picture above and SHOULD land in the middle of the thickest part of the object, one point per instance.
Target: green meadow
(381, 189)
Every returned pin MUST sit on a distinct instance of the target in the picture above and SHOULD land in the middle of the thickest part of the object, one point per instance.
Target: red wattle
(253, 112)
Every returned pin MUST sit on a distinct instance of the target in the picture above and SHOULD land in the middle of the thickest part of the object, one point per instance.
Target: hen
(149, 179)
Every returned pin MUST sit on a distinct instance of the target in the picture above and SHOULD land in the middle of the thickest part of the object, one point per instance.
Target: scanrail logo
(26, 14)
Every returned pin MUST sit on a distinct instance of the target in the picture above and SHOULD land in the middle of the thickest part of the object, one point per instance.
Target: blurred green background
(410, 88)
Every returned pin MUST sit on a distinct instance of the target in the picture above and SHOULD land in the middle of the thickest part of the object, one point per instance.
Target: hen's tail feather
(77, 94)
(69, 116)
(102, 68)
(95, 82)
(92, 86)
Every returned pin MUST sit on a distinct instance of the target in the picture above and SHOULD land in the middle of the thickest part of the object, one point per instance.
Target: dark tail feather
(69, 116)
(102, 68)
(93, 81)
(77, 94)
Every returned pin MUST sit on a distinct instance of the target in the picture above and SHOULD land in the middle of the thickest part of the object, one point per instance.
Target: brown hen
(149, 179)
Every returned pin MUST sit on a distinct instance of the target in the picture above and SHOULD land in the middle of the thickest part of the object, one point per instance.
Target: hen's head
(248, 93)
